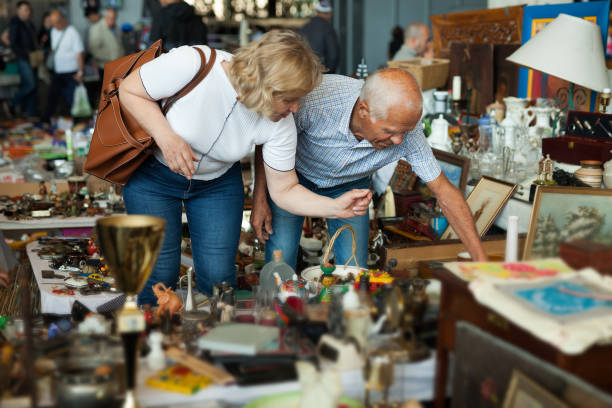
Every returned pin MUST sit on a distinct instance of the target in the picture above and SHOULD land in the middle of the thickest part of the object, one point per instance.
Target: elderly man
(416, 36)
(346, 131)
(104, 44)
(68, 60)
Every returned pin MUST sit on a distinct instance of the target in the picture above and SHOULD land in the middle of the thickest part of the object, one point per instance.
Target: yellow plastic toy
(178, 379)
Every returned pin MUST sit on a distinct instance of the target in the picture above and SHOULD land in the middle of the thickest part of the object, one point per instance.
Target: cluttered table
(412, 381)
(459, 303)
(58, 302)
(48, 223)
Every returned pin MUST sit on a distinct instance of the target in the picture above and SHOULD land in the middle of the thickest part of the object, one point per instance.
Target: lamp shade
(569, 48)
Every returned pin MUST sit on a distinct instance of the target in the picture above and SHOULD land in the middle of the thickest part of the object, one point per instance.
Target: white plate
(314, 272)
(75, 282)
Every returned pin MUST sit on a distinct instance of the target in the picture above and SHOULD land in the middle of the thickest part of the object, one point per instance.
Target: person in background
(68, 59)
(247, 99)
(44, 33)
(23, 42)
(416, 36)
(104, 44)
(347, 129)
(321, 36)
(92, 14)
(176, 24)
(397, 39)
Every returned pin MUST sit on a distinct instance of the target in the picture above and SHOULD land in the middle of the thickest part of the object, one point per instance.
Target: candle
(456, 88)
(512, 239)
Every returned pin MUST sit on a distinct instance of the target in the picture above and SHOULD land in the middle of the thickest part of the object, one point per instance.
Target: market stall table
(458, 303)
(47, 223)
(51, 303)
(412, 381)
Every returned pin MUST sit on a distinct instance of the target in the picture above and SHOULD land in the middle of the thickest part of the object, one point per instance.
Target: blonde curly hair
(280, 66)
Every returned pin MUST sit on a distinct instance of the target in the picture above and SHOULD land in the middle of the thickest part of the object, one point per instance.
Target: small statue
(327, 280)
(226, 306)
(43, 190)
(166, 299)
(297, 287)
(318, 389)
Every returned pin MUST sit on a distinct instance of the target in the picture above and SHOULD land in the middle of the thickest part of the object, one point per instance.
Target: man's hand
(178, 154)
(353, 203)
(261, 219)
(78, 77)
(4, 278)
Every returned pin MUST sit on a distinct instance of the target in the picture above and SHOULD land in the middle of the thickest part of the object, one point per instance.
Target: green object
(243, 294)
(327, 270)
(3, 321)
(427, 127)
(80, 103)
(69, 144)
(292, 399)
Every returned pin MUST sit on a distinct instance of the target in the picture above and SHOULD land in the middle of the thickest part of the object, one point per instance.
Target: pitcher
(517, 110)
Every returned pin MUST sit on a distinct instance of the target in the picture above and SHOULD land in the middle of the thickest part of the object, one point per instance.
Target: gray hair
(381, 92)
(413, 30)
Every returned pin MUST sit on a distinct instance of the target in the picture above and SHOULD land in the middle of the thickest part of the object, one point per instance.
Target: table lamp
(569, 48)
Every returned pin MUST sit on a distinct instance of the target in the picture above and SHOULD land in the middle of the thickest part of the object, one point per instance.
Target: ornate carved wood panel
(493, 26)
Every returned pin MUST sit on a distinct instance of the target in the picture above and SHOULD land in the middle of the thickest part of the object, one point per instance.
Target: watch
(80, 73)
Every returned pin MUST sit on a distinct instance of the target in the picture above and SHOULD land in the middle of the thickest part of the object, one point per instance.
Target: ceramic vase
(590, 172)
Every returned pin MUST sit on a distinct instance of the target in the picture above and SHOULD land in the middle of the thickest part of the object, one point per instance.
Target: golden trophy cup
(130, 245)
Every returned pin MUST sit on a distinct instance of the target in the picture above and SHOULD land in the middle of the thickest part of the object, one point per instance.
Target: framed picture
(563, 214)
(454, 167)
(523, 392)
(534, 84)
(486, 201)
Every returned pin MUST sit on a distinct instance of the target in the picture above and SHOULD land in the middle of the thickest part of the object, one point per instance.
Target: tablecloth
(52, 303)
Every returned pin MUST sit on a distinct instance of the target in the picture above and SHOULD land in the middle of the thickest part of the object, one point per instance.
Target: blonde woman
(247, 99)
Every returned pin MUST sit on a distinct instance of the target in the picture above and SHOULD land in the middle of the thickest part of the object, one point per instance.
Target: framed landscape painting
(564, 214)
(454, 167)
(486, 201)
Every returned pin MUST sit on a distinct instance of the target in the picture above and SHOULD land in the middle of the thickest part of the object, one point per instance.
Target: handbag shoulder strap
(199, 76)
(60, 40)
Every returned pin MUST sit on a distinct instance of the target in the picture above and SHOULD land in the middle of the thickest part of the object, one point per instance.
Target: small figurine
(295, 287)
(156, 359)
(166, 299)
(327, 280)
(227, 306)
(318, 389)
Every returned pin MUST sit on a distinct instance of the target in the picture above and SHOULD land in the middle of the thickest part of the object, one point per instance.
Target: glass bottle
(259, 254)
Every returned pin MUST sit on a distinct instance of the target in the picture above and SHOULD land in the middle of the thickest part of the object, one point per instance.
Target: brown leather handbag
(119, 145)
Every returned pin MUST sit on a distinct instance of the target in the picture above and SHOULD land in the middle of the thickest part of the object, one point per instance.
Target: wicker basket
(429, 73)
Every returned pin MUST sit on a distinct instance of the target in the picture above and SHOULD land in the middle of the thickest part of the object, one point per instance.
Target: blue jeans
(288, 227)
(26, 95)
(214, 217)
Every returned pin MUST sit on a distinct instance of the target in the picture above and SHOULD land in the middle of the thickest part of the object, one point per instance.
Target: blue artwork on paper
(452, 172)
(551, 300)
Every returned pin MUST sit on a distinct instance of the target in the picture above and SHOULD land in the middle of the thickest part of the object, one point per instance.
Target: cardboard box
(429, 72)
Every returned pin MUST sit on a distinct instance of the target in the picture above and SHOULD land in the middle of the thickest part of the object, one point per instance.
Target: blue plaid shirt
(328, 154)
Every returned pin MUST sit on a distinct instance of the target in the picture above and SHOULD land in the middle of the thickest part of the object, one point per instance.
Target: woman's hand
(353, 203)
(178, 154)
